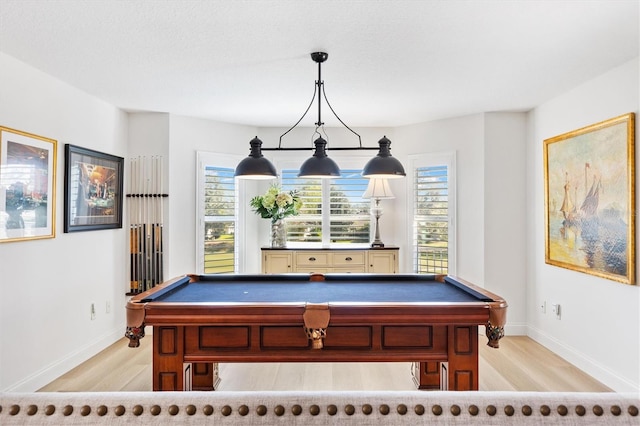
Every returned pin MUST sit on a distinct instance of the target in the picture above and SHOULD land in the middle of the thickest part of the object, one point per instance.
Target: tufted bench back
(318, 408)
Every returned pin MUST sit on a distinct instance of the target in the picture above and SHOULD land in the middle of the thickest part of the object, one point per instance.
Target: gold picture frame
(27, 186)
(589, 178)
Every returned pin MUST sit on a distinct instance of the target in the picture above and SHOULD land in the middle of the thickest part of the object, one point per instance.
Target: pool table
(201, 320)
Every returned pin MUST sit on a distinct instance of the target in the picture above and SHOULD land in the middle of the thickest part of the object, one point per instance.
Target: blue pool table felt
(316, 292)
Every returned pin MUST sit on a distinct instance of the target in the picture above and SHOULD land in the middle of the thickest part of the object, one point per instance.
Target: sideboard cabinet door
(277, 261)
(383, 262)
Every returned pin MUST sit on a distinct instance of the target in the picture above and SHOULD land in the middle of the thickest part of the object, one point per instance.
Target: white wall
(47, 286)
(490, 238)
(600, 326)
(505, 213)
(187, 137)
(465, 136)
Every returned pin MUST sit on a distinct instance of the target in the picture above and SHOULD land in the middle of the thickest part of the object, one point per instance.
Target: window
(333, 209)
(217, 220)
(433, 210)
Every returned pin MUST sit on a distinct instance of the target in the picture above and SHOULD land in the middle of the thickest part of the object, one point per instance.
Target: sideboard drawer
(312, 258)
(346, 258)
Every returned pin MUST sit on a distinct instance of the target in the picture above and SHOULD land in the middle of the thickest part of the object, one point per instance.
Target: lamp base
(377, 244)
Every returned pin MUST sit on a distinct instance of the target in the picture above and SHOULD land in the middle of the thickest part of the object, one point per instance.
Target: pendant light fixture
(384, 165)
(319, 165)
(256, 166)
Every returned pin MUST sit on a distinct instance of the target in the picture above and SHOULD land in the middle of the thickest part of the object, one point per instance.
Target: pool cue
(161, 227)
(138, 226)
(154, 200)
(136, 222)
(131, 231)
(149, 222)
(152, 190)
(134, 219)
(141, 228)
(158, 226)
(145, 223)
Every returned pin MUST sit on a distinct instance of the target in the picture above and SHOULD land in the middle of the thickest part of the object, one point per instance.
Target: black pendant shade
(256, 166)
(384, 165)
(320, 165)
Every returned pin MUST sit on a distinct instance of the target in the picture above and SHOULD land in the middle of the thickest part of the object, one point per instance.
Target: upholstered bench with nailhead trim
(319, 408)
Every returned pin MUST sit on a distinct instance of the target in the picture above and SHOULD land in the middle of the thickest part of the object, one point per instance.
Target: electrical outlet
(543, 307)
(93, 311)
(555, 308)
(108, 307)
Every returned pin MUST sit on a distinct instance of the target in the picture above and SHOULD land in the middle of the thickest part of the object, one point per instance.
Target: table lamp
(378, 189)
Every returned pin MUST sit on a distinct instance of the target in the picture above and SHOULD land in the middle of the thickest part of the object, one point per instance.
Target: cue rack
(146, 217)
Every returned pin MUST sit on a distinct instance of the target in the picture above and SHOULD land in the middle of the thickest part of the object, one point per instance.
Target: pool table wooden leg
(168, 353)
(463, 357)
(460, 372)
(426, 375)
(205, 376)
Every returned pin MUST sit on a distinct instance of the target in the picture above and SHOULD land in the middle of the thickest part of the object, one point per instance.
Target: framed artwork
(589, 177)
(27, 186)
(92, 190)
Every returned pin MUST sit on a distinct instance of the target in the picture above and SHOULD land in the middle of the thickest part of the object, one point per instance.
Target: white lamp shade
(378, 188)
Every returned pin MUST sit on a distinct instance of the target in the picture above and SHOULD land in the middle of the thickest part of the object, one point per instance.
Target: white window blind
(349, 212)
(431, 219)
(333, 209)
(220, 205)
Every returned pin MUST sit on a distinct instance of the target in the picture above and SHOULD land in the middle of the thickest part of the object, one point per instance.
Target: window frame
(352, 162)
(416, 161)
(213, 159)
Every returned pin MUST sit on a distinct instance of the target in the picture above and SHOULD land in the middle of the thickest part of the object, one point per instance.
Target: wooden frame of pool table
(190, 339)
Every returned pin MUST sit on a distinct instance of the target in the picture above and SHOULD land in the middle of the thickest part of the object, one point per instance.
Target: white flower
(284, 199)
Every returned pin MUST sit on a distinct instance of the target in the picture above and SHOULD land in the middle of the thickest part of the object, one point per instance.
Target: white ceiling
(390, 62)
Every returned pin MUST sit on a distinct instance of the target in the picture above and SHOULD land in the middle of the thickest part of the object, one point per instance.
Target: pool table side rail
(135, 308)
(241, 314)
(497, 308)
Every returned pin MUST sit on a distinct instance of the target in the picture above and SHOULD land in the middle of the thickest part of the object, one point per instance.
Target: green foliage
(276, 204)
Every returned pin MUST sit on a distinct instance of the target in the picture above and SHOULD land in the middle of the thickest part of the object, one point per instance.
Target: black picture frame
(93, 190)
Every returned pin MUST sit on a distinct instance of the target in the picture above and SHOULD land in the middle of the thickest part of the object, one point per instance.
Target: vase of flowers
(276, 205)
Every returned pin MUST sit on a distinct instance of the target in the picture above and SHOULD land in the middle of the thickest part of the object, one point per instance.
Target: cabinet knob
(312, 259)
(348, 259)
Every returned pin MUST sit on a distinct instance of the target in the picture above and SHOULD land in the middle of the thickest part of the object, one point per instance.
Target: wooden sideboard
(382, 260)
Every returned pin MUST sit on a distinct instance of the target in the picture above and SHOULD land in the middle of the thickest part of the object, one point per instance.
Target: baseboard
(596, 370)
(61, 366)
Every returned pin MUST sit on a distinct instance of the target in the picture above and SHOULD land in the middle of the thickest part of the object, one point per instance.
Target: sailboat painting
(590, 199)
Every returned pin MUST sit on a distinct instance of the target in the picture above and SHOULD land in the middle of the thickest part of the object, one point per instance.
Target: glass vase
(278, 234)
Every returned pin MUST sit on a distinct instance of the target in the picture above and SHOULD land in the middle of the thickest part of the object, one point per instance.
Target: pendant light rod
(319, 58)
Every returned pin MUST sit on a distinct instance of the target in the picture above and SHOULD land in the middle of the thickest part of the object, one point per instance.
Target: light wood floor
(519, 364)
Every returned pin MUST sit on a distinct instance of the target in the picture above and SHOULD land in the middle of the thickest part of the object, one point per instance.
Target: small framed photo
(27, 186)
(92, 190)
